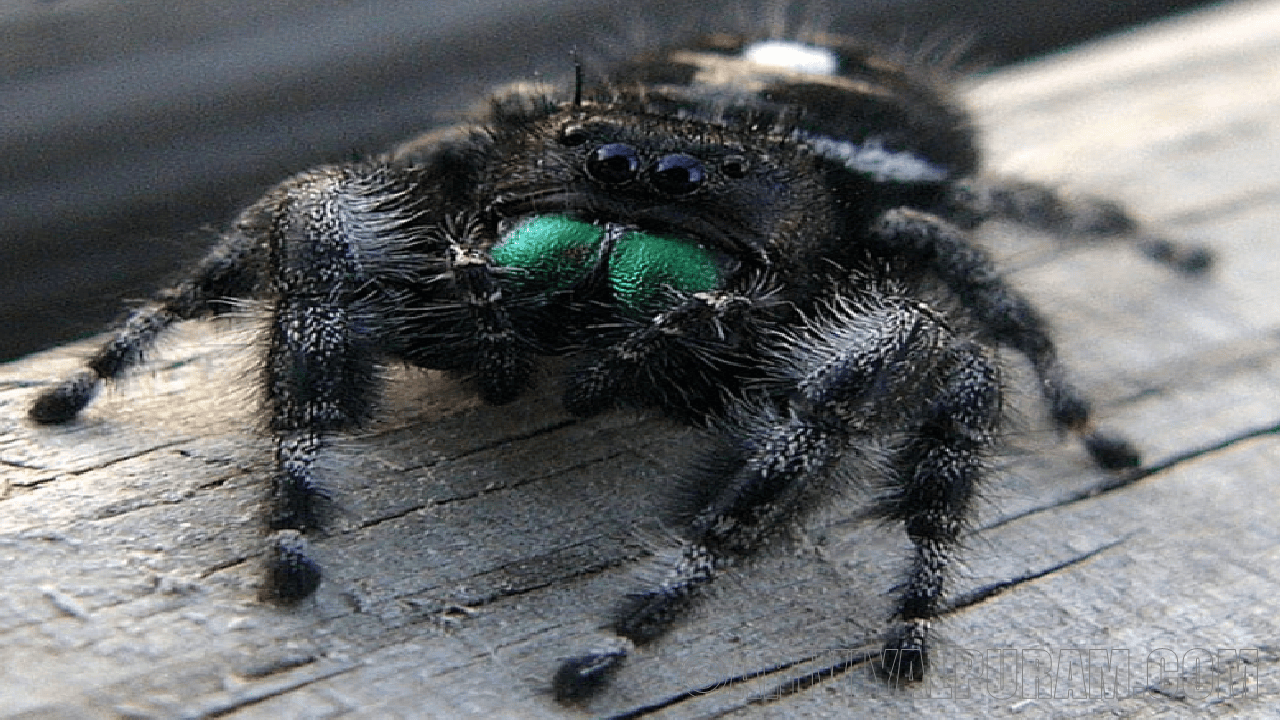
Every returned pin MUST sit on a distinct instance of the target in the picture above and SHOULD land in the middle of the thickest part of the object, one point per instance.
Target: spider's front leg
(868, 369)
(331, 231)
(938, 468)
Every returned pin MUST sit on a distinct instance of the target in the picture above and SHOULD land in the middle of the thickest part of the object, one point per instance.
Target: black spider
(765, 239)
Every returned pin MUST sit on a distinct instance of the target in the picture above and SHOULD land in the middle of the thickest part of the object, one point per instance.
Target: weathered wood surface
(478, 546)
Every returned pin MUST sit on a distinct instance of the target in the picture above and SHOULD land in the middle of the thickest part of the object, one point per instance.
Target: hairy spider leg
(1069, 218)
(227, 271)
(1004, 315)
(852, 375)
(344, 241)
(938, 471)
(356, 278)
(320, 374)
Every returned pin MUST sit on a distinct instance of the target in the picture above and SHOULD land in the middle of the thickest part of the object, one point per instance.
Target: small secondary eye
(614, 163)
(734, 167)
(574, 135)
(678, 174)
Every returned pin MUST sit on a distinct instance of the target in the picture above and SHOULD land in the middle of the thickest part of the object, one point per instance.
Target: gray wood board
(476, 547)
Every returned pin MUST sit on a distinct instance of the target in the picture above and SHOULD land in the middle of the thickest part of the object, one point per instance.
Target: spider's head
(742, 193)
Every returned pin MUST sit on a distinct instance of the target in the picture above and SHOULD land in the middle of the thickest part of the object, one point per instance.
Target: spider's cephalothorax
(766, 239)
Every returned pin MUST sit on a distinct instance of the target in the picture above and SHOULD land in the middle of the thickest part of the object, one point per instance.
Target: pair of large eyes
(670, 174)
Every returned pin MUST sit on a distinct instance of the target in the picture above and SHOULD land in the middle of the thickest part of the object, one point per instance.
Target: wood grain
(477, 546)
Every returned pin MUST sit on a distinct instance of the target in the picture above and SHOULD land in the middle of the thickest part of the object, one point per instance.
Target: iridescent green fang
(555, 251)
(644, 265)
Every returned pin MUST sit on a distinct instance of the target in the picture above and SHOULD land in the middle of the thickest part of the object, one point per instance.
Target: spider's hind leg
(1004, 317)
(227, 271)
(1070, 217)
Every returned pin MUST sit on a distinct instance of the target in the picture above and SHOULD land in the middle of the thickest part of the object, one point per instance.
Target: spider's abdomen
(884, 120)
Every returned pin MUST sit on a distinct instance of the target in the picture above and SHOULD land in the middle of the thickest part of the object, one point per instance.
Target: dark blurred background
(132, 129)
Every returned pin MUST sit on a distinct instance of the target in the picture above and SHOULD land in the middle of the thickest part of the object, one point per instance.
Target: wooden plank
(478, 546)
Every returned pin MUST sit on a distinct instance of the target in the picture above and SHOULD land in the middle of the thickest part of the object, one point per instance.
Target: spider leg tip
(1112, 452)
(60, 404)
(291, 575)
(580, 678)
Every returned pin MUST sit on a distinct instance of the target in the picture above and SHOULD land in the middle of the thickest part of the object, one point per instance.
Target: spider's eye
(678, 174)
(734, 166)
(613, 164)
(573, 135)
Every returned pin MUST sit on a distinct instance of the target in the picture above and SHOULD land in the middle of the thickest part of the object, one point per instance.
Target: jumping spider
(768, 240)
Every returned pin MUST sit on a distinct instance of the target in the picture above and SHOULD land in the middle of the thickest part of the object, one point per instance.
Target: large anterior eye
(613, 164)
(678, 174)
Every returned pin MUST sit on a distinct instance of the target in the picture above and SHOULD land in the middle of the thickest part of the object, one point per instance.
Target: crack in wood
(275, 666)
(494, 444)
(131, 456)
(293, 679)
(857, 659)
(982, 594)
(23, 466)
(854, 660)
(1123, 480)
(487, 490)
(432, 609)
